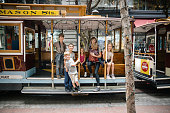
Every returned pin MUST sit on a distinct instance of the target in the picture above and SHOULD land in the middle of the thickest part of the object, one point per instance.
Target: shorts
(108, 60)
(74, 77)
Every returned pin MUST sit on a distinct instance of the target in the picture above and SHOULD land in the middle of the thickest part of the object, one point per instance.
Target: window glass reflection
(9, 37)
(30, 40)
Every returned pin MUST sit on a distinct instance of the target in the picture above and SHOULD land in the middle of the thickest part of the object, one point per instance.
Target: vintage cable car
(27, 57)
(151, 53)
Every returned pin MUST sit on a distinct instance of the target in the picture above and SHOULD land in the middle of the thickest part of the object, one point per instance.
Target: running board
(61, 90)
(163, 86)
(163, 78)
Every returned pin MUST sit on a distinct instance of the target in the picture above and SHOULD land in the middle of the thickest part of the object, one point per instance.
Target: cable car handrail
(145, 57)
(144, 53)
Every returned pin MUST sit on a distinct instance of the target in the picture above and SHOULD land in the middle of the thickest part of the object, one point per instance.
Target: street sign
(151, 48)
(145, 66)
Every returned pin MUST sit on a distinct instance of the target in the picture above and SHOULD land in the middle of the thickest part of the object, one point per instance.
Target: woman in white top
(109, 60)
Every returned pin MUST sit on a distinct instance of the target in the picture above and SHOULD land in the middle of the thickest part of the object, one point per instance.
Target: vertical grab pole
(79, 49)
(155, 49)
(46, 39)
(105, 54)
(52, 63)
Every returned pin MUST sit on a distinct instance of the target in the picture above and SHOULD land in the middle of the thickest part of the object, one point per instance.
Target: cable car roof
(147, 27)
(71, 22)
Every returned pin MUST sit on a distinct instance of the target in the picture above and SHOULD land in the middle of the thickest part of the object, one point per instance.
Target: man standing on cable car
(60, 49)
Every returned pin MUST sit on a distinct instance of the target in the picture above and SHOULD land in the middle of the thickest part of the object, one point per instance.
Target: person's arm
(97, 56)
(65, 65)
(104, 54)
(65, 47)
(112, 58)
(74, 56)
(74, 64)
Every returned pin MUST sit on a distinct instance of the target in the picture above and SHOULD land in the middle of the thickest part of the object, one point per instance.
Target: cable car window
(30, 39)
(117, 39)
(43, 41)
(9, 37)
(36, 40)
(122, 43)
(168, 42)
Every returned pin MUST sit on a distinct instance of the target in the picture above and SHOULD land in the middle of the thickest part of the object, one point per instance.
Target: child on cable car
(109, 60)
(70, 66)
(67, 80)
(83, 60)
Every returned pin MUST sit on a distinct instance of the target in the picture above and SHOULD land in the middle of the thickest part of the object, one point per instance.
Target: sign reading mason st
(30, 12)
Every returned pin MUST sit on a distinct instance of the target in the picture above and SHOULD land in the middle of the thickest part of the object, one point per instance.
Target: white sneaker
(91, 75)
(108, 77)
(85, 74)
(113, 76)
(97, 89)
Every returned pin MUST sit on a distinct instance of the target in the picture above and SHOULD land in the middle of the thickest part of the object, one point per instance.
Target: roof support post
(105, 49)
(155, 51)
(52, 63)
(79, 49)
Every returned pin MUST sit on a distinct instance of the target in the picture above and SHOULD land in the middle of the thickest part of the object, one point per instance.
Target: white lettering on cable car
(11, 77)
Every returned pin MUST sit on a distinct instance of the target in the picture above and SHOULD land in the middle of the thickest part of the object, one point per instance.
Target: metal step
(61, 90)
(163, 78)
(163, 86)
(82, 80)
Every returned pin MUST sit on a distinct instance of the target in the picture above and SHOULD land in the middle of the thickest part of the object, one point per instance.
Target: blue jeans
(97, 65)
(67, 80)
(84, 66)
(101, 61)
(59, 63)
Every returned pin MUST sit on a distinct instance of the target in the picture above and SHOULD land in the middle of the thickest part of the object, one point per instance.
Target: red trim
(140, 22)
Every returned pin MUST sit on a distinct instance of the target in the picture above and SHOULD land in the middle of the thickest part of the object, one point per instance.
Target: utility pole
(126, 28)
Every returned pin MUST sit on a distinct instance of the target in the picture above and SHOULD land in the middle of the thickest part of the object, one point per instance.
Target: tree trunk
(89, 7)
(130, 87)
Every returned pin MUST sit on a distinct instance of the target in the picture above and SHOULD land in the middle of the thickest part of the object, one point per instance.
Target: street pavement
(148, 100)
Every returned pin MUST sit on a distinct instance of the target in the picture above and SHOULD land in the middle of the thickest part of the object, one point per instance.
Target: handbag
(91, 58)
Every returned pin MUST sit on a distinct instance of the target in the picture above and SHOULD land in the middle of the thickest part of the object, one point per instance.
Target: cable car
(27, 56)
(151, 53)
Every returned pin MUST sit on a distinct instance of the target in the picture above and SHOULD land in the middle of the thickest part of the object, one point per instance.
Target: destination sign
(30, 12)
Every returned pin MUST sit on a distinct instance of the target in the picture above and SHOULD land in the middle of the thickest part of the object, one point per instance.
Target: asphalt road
(146, 98)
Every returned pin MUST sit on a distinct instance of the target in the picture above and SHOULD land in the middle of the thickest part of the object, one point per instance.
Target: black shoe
(78, 89)
(73, 89)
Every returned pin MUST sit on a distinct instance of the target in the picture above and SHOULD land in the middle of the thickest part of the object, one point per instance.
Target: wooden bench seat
(118, 60)
(119, 70)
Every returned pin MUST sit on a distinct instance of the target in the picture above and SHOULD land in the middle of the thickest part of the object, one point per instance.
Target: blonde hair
(111, 45)
(66, 53)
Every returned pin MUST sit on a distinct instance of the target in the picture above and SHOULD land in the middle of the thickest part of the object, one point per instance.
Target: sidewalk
(121, 109)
